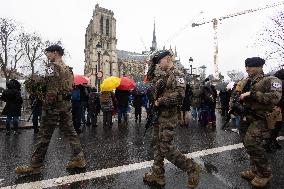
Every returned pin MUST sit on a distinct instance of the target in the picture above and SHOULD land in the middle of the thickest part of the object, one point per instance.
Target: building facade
(102, 59)
(100, 46)
(131, 64)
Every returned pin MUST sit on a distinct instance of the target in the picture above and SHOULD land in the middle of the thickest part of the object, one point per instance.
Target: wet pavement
(110, 148)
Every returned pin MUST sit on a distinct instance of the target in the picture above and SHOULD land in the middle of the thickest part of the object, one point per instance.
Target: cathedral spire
(154, 42)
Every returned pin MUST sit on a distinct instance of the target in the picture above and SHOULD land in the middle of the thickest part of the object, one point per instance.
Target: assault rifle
(154, 112)
(238, 109)
(34, 106)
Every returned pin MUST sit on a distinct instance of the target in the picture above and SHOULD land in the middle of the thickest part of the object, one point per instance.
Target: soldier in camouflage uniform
(259, 95)
(56, 110)
(163, 131)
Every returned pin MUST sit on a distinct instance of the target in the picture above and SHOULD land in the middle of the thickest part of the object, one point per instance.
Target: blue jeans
(195, 112)
(238, 121)
(15, 122)
(122, 112)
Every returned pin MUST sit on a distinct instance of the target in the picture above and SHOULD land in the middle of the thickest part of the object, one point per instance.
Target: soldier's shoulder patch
(49, 71)
(180, 81)
(276, 85)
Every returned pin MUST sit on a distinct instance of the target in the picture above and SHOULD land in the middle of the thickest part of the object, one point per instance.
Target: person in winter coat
(137, 104)
(207, 117)
(76, 108)
(122, 98)
(107, 102)
(84, 95)
(212, 108)
(186, 103)
(196, 100)
(225, 95)
(94, 106)
(12, 109)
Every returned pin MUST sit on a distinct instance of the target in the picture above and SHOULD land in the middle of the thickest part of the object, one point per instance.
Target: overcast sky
(67, 20)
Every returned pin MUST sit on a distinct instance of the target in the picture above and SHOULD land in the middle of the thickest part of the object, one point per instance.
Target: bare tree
(272, 39)
(10, 48)
(235, 75)
(33, 47)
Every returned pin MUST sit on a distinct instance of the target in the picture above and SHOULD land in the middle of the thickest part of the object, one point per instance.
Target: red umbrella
(126, 84)
(80, 79)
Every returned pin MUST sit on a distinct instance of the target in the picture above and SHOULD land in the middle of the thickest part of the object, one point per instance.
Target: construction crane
(215, 27)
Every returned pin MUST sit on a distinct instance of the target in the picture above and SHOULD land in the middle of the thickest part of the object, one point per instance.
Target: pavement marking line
(115, 170)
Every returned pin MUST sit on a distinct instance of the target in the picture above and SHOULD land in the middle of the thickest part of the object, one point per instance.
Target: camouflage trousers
(53, 116)
(163, 134)
(254, 141)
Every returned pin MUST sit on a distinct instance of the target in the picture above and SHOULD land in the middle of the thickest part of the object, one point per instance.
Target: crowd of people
(87, 103)
(199, 105)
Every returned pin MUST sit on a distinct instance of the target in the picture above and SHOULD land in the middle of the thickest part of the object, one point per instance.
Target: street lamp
(190, 64)
(99, 51)
(202, 71)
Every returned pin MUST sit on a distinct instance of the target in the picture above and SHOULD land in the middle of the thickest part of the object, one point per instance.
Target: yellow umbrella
(110, 83)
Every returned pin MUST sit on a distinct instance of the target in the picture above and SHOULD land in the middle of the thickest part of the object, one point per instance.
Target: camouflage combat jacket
(59, 81)
(265, 93)
(173, 93)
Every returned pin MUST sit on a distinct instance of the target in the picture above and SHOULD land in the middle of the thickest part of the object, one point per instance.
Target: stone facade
(101, 30)
(131, 64)
(110, 61)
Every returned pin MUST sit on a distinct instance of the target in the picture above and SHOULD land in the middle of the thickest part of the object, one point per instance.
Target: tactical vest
(256, 85)
(171, 84)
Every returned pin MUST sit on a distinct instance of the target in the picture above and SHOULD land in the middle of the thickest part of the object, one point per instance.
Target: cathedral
(100, 47)
(102, 59)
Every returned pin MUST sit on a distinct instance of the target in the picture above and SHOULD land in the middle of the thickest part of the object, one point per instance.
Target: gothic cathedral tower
(154, 41)
(100, 46)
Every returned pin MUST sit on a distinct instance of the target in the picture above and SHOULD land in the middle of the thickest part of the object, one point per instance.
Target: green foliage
(36, 87)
